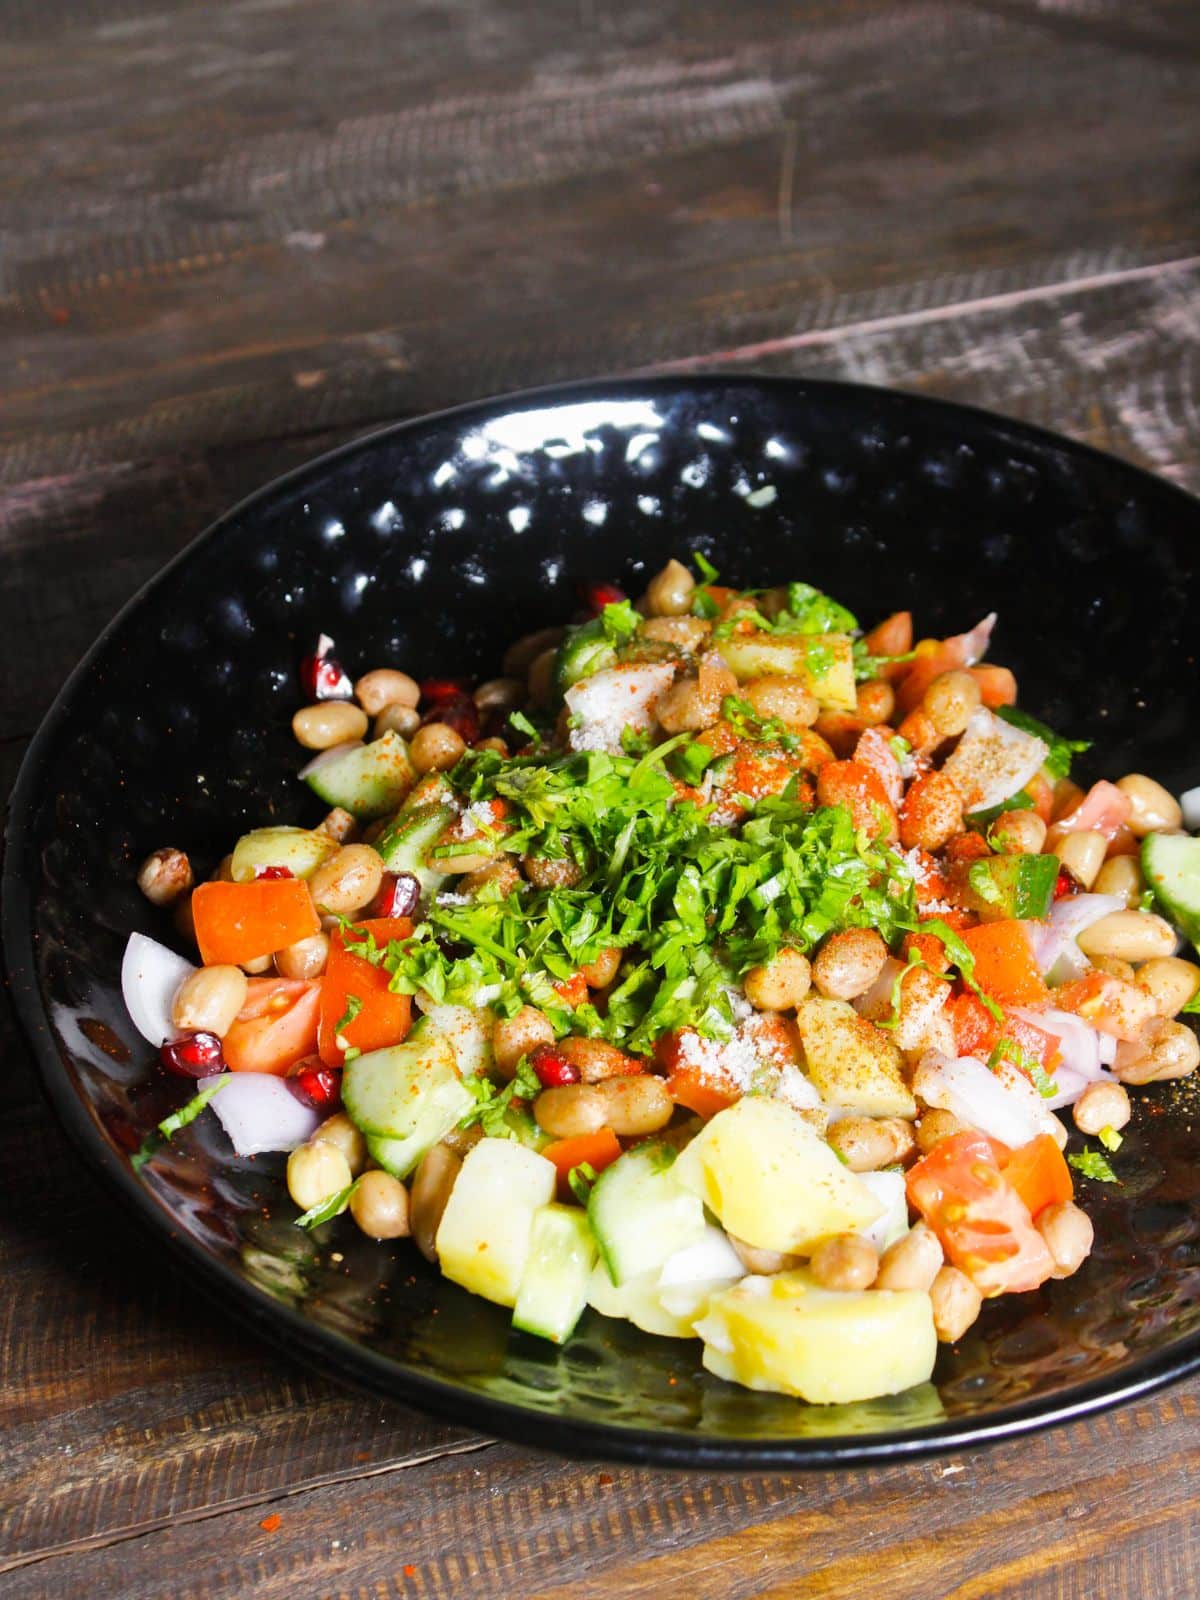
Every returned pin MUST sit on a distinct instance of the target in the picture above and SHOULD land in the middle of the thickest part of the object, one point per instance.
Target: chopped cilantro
(1061, 751)
(492, 1105)
(867, 666)
(1094, 1165)
(1009, 1049)
(1192, 1009)
(188, 1112)
(899, 746)
(581, 1179)
(620, 622)
(960, 954)
(748, 724)
(703, 605)
(690, 763)
(981, 821)
(353, 1006)
(705, 567)
(519, 721)
(326, 1210)
(1110, 1139)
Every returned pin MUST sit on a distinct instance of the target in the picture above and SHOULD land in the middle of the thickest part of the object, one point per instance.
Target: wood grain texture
(237, 235)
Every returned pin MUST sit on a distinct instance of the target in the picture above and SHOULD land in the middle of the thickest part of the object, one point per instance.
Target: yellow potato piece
(771, 1180)
(483, 1238)
(853, 1063)
(787, 1335)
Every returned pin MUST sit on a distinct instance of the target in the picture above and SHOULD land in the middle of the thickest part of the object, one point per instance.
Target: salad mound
(722, 967)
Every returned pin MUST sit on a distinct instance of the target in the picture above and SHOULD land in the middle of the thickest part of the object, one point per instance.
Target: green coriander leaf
(1009, 1049)
(960, 954)
(1192, 1009)
(1061, 751)
(705, 567)
(581, 1179)
(353, 1007)
(177, 1120)
(526, 1083)
(329, 1208)
(519, 721)
(690, 763)
(703, 605)
(867, 666)
(620, 622)
(1094, 1165)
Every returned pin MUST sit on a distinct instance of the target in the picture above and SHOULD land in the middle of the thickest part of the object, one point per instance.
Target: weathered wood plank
(508, 1523)
(128, 1402)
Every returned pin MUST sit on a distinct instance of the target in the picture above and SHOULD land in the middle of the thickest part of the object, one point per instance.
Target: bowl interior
(431, 547)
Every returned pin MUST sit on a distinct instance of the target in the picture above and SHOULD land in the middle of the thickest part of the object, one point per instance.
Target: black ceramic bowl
(430, 546)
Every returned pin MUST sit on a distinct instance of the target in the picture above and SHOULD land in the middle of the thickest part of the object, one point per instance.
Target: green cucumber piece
(300, 850)
(1003, 887)
(406, 1089)
(825, 661)
(408, 839)
(369, 781)
(585, 650)
(554, 1284)
(640, 1213)
(1171, 862)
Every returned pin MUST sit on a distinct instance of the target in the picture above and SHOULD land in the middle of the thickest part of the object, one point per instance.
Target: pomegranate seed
(399, 895)
(461, 714)
(1065, 885)
(552, 1067)
(595, 594)
(322, 677)
(435, 690)
(194, 1056)
(274, 872)
(320, 1085)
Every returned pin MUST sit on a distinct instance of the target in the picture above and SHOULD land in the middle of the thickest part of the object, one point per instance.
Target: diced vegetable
(771, 1180)
(982, 1222)
(641, 1213)
(1005, 965)
(150, 976)
(1039, 1173)
(554, 1284)
(408, 1088)
(827, 1347)
(1172, 866)
(406, 842)
(239, 922)
(992, 761)
(259, 1112)
(484, 1238)
(276, 1028)
(358, 1010)
(1005, 887)
(607, 702)
(300, 850)
(853, 1064)
(469, 1030)
(369, 780)
(824, 661)
(594, 1150)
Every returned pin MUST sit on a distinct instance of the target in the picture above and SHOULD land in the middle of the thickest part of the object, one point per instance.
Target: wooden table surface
(235, 234)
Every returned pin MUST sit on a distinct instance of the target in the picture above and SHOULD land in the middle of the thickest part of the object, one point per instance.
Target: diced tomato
(237, 922)
(597, 1150)
(976, 1033)
(892, 637)
(1104, 809)
(384, 1017)
(1039, 1174)
(1108, 1004)
(572, 991)
(983, 1224)
(841, 731)
(691, 1080)
(929, 949)
(1005, 967)
(935, 656)
(854, 785)
(997, 685)
(276, 1028)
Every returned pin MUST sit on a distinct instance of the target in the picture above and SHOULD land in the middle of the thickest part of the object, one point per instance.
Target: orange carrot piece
(1039, 1174)
(997, 685)
(384, 1017)
(1004, 963)
(598, 1150)
(237, 922)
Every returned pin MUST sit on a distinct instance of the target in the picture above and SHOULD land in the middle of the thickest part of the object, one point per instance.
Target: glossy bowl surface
(430, 546)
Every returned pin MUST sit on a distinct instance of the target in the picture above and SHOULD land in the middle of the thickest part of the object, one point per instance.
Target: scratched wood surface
(235, 235)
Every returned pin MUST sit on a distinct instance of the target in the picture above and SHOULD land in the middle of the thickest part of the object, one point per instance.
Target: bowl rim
(336, 1355)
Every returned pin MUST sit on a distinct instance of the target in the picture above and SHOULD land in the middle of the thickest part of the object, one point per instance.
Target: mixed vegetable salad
(722, 967)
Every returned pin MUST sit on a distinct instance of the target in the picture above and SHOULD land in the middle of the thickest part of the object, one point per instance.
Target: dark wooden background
(235, 233)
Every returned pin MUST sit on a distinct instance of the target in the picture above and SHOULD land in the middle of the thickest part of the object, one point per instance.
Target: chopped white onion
(978, 1097)
(608, 702)
(259, 1112)
(992, 761)
(1190, 801)
(710, 1258)
(1085, 1052)
(327, 757)
(1054, 942)
(888, 1189)
(150, 976)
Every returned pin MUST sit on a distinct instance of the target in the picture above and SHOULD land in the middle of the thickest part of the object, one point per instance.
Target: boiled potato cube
(483, 1238)
(851, 1062)
(828, 1347)
(773, 1181)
